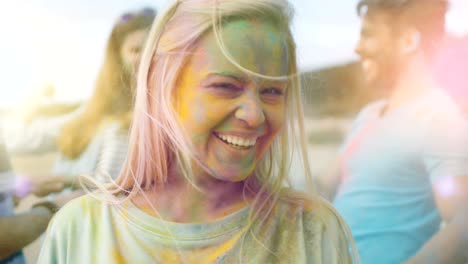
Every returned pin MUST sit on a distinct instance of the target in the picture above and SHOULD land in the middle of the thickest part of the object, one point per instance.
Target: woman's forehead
(257, 45)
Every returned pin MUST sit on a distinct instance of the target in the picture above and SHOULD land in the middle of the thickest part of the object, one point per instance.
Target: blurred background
(51, 51)
(60, 44)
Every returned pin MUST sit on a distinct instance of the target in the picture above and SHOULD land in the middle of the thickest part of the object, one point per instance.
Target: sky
(61, 43)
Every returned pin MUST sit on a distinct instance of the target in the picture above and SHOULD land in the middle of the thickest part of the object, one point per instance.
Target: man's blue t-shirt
(389, 167)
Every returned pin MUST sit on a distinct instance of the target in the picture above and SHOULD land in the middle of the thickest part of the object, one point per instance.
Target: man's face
(381, 60)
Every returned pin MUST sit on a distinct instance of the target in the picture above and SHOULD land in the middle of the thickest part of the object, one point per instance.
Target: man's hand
(61, 199)
(39, 185)
(44, 186)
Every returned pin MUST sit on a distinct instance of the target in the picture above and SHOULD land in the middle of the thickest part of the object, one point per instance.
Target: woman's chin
(229, 175)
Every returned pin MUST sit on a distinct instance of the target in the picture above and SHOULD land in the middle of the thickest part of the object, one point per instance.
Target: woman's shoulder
(319, 219)
(77, 211)
(82, 203)
(310, 206)
(72, 231)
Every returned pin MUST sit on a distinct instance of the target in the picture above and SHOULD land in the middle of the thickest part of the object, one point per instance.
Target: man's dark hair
(427, 16)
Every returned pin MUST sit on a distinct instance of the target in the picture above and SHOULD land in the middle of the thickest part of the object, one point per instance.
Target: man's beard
(387, 74)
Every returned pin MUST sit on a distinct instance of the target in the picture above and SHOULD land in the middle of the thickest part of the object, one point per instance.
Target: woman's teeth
(237, 141)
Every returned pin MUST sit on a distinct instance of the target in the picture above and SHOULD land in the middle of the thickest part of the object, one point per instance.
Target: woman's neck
(179, 201)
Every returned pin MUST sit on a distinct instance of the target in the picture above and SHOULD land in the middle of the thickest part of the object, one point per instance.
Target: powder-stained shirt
(297, 230)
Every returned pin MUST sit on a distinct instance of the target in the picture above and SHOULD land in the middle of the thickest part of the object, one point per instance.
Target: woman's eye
(226, 86)
(272, 91)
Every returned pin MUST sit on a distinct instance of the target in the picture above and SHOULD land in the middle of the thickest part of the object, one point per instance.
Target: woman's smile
(237, 142)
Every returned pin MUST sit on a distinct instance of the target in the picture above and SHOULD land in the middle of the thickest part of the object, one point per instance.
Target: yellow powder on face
(189, 81)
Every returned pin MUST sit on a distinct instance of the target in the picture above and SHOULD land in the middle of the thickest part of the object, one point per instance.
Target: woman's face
(231, 117)
(130, 50)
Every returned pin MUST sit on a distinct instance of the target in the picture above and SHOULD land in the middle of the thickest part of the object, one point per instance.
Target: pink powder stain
(353, 146)
(22, 186)
(450, 68)
(446, 187)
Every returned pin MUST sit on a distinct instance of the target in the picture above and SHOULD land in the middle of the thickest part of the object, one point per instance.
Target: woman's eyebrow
(242, 79)
(227, 74)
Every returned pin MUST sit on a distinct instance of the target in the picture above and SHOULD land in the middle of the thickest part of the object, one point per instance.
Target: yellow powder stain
(117, 258)
(188, 86)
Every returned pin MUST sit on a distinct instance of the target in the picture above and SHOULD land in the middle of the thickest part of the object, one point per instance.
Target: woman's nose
(250, 110)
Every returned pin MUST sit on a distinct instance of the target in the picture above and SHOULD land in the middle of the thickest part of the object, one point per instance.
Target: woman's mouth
(237, 142)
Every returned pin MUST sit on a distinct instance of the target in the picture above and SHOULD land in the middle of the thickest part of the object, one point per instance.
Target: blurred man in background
(403, 167)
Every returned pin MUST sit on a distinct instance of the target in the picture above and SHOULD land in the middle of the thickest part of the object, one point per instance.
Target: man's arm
(450, 244)
(20, 230)
(37, 136)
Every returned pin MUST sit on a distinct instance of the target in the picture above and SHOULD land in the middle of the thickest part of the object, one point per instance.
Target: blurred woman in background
(93, 139)
(95, 142)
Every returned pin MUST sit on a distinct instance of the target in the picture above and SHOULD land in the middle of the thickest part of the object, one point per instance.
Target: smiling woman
(213, 135)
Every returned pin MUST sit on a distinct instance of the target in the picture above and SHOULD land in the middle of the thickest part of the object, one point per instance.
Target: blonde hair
(156, 138)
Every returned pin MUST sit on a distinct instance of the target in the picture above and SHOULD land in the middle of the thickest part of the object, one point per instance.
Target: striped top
(113, 152)
(103, 157)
